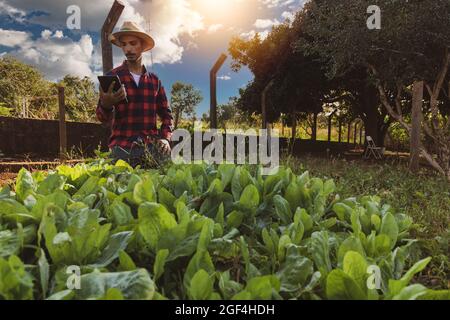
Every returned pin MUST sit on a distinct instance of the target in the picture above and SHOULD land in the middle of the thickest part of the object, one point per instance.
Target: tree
(80, 97)
(21, 83)
(412, 45)
(286, 82)
(184, 99)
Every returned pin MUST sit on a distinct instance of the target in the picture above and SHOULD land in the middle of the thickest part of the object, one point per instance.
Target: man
(134, 123)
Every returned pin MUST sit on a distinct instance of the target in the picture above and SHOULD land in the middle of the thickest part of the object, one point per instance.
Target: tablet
(105, 82)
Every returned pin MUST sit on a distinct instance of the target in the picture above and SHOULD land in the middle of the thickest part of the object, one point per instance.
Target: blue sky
(190, 35)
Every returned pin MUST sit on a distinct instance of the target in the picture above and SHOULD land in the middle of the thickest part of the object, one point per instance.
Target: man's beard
(133, 57)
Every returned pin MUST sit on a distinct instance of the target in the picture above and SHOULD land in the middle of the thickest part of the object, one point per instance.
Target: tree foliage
(184, 99)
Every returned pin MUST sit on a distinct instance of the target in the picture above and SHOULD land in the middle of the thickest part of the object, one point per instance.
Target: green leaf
(356, 266)
(411, 292)
(15, 282)
(25, 184)
(89, 187)
(329, 187)
(292, 195)
(160, 261)
(201, 285)
(306, 219)
(134, 285)
(436, 295)
(51, 183)
(250, 197)
(205, 235)
(340, 286)
(117, 242)
(396, 286)
(144, 191)
(261, 288)
(120, 213)
(389, 227)
(154, 220)
(228, 287)
(12, 207)
(10, 243)
(125, 262)
(201, 260)
(352, 243)
(320, 251)
(62, 295)
(343, 211)
(166, 198)
(282, 209)
(44, 273)
(295, 270)
(235, 218)
(226, 173)
(113, 294)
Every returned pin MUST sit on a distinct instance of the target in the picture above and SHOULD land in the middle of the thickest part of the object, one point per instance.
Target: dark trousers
(147, 156)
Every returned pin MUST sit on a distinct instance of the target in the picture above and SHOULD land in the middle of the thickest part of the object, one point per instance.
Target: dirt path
(7, 178)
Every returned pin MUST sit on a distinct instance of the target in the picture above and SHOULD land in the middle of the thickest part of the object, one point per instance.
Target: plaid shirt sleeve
(103, 115)
(164, 112)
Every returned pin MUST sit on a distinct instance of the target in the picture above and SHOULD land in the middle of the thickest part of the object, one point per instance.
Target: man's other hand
(110, 98)
(163, 146)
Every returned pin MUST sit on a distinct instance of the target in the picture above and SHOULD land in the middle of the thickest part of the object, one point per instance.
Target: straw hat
(132, 29)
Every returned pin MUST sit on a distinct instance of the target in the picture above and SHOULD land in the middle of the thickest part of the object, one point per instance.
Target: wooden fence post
(62, 125)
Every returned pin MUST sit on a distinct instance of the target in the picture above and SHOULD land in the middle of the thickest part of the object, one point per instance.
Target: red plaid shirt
(138, 117)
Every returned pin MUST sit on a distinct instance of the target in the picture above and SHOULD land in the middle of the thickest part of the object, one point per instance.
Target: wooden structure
(62, 124)
(108, 26)
(213, 90)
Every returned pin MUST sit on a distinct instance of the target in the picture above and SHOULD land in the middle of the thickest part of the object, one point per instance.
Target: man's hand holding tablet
(112, 92)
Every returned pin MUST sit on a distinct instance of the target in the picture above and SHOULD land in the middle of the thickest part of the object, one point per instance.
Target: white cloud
(266, 23)
(56, 55)
(276, 3)
(12, 38)
(11, 11)
(288, 15)
(225, 78)
(169, 20)
(252, 33)
(214, 28)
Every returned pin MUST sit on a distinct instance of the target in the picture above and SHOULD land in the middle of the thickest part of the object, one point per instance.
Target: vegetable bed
(200, 232)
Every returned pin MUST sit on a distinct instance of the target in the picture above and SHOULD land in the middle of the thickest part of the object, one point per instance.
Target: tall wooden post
(213, 90)
(416, 121)
(329, 127)
(348, 132)
(263, 103)
(360, 135)
(340, 131)
(108, 26)
(314, 128)
(62, 125)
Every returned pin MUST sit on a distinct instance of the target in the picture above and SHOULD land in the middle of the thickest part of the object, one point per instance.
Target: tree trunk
(294, 130)
(177, 118)
(373, 120)
(416, 123)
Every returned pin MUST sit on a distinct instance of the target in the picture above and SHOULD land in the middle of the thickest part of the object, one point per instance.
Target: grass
(424, 196)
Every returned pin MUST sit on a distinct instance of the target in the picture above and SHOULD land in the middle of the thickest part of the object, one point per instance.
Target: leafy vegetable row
(200, 232)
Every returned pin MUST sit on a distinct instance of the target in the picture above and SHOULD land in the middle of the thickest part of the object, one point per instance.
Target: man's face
(132, 47)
